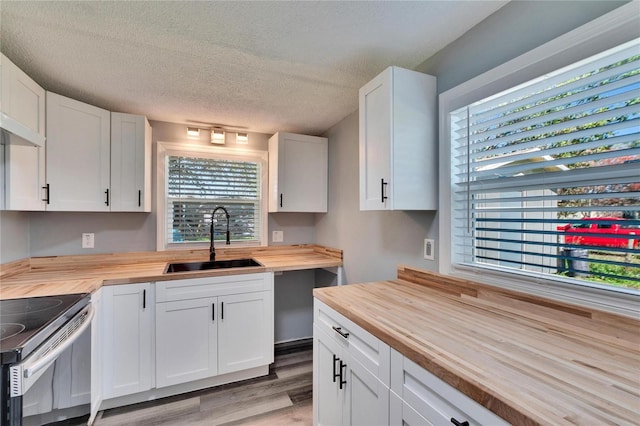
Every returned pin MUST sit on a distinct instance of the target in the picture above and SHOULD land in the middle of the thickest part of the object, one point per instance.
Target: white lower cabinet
(433, 399)
(211, 326)
(186, 341)
(360, 380)
(127, 339)
(346, 392)
(245, 339)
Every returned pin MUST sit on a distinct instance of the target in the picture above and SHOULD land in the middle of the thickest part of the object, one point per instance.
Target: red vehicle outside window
(601, 232)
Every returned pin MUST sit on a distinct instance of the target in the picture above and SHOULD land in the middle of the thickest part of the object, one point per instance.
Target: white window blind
(196, 185)
(546, 176)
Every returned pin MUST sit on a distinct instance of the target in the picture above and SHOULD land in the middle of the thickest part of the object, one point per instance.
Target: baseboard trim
(293, 346)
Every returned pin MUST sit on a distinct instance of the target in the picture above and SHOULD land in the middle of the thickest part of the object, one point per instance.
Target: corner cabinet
(212, 326)
(22, 105)
(298, 173)
(360, 380)
(398, 141)
(127, 339)
(78, 155)
(130, 163)
(22, 155)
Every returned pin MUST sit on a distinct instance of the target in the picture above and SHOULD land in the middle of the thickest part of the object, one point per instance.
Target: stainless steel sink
(206, 266)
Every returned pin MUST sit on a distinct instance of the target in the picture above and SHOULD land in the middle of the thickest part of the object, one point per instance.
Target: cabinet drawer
(361, 345)
(434, 399)
(195, 288)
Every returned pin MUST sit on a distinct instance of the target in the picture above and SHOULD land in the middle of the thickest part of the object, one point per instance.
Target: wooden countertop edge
(32, 277)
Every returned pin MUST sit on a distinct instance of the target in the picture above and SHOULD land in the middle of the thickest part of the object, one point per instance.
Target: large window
(546, 176)
(540, 169)
(196, 181)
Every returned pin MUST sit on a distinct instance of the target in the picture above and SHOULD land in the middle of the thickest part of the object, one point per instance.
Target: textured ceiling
(259, 66)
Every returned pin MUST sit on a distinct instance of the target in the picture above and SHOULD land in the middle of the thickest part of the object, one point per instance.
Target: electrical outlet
(88, 240)
(277, 236)
(429, 249)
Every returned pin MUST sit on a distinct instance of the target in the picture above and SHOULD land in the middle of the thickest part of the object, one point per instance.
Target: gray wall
(374, 243)
(14, 236)
(514, 29)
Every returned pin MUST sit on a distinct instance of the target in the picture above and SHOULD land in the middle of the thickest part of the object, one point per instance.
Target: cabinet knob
(107, 194)
(457, 423)
(335, 373)
(340, 332)
(47, 188)
(382, 185)
(343, 380)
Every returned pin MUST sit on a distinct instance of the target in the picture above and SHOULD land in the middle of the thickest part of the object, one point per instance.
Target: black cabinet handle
(457, 423)
(144, 299)
(340, 332)
(213, 312)
(382, 185)
(139, 197)
(335, 374)
(221, 310)
(280, 199)
(343, 380)
(107, 193)
(48, 189)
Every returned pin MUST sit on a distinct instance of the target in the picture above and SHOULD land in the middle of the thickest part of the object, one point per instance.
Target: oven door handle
(30, 369)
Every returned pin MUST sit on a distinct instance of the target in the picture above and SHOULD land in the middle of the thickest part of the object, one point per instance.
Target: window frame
(166, 149)
(607, 31)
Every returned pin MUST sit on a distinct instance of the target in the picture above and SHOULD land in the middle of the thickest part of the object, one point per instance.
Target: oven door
(43, 383)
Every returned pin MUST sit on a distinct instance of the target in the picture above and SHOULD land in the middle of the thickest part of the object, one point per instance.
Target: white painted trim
(164, 148)
(616, 27)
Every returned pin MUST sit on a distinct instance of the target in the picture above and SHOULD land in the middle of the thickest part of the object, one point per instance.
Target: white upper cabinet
(130, 163)
(398, 142)
(22, 105)
(298, 173)
(23, 171)
(78, 155)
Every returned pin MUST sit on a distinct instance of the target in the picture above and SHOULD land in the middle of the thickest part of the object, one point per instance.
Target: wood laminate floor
(281, 398)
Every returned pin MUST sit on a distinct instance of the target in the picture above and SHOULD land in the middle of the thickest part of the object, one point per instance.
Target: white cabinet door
(328, 397)
(298, 173)
(24, 177)
(346, 391)
(367, 398)
(128, 339)
(130, 163)
(78, 155)
(398, 141)
(186, 341)
(22, 104)
(375, 143)
(245, 331)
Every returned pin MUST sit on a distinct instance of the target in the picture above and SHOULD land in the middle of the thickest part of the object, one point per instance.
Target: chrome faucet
(212, 249)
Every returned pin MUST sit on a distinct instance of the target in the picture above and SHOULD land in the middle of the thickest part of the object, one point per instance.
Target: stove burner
(23, 306)
(10, 329)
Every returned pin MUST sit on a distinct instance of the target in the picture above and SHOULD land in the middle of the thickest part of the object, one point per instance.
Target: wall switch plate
(277, 236)
(88, 240)
(429, 249)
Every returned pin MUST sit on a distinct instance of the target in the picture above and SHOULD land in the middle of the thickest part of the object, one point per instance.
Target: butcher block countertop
(54, 275)
(529, 360)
